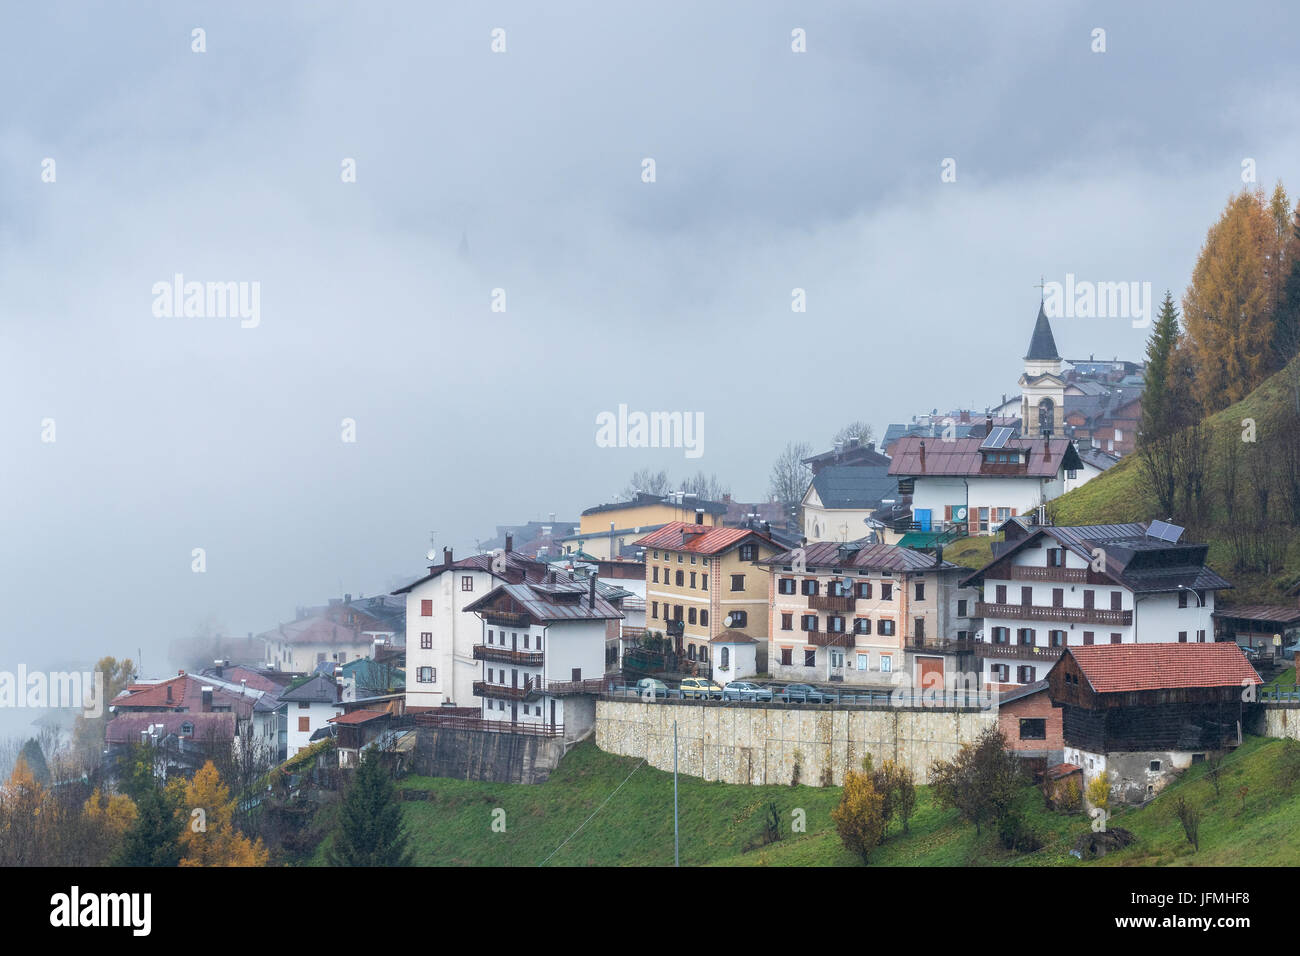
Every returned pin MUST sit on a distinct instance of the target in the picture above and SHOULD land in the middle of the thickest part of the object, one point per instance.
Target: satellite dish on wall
(727, 620)
(430, 555)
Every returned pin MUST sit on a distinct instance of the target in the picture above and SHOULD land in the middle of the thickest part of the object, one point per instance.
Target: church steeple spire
(1042, 346)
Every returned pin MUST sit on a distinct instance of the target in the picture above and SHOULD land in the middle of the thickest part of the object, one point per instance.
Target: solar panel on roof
(997, 438)
(1164, 531)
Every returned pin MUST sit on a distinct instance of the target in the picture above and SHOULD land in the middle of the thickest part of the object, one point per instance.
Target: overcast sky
(522, 170)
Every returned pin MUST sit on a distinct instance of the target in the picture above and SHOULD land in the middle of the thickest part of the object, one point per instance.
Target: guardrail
(1280, 692)
(864, 698)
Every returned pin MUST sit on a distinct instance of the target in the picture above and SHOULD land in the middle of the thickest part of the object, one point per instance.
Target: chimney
(446, 557)
(591, 591)
(938, 556)
(550, 576)
(207, 699)
(726, 499)
(699, 516)
(988, 425)
(923, 456)
(347, 599)
(217, 666)
(510, 542)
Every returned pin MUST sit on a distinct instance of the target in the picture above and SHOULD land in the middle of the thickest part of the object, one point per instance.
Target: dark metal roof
(860, 555)
(1272, 613)
(1042, 346)
(854, 486)
(538, 600)
(643, 499)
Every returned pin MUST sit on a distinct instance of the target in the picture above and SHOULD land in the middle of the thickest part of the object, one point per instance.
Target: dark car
(805, 694)
(744, 690)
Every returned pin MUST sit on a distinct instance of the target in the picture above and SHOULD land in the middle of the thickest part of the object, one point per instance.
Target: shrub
(857, 818)
(1099, 791)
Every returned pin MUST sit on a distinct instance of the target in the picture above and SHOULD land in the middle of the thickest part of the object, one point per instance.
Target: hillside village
(693, 633)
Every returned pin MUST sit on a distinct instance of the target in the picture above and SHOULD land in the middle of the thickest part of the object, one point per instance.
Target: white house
(309, 706)
(542, 652)
(1052, 587)
(441, 634)
(841, 499)
(735, 656)
(976, 484)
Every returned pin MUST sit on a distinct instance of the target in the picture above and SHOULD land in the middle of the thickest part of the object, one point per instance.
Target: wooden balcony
(499, 691)
(1034, 612)
(829, 638)
(1060, 575)
(828, 602)
(506, 618)
(504, 655)
(1023, 652)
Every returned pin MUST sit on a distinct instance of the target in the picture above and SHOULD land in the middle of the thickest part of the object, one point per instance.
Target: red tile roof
(710, 539)
(155, 695)
(1119, 668)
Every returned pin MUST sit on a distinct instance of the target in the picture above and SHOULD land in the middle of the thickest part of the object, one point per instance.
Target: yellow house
(606, 530)
(702, 580)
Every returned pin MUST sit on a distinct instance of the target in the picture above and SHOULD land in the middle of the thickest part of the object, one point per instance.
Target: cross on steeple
(1042, 286)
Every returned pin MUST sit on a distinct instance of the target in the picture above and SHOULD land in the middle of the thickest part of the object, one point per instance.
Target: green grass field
(591, 813)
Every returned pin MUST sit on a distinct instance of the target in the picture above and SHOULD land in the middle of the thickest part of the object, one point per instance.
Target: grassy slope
(719, 822)
(1120, 494)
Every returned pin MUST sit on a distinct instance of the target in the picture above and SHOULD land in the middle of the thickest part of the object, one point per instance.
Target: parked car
(744, 690)
(1252, 653)
(649, 687)
(700, 688)
(805, 694)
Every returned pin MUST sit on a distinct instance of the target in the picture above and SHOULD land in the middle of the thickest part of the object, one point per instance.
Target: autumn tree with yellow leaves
(209, 837)
(1229, 307)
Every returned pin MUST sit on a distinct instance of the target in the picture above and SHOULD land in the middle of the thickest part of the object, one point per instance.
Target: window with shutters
(739, 618)
(835, 625)
(886, 591)
(786, 586)
(808, 622)
(919, 623)
(1026, 595)
(920, 590)
(862, 625)
(654, 610)
(737, 582)
(886, 628)
(1089, 599)
(655, 569)
(690, 616)
(1116, 638)
(426, 640)
(810, 657)
(809, 587)
(864, 590)
(1116, 601)
(704, 617)
(680, 579)
(787, 656)
(304, 724)
(1001, 592)
(1088, 637)
(787, 621)
(426, 608)
(1182, 637)
(961, 608)
(467, 582)
(1058, 597)
(749, 552)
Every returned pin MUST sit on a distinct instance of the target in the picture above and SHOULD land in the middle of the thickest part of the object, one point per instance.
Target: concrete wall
(1273, 720)
(756, 743)
(484, 755)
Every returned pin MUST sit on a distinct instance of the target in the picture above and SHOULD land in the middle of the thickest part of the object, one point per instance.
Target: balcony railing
(1034, 612)
(532, 689)
(504, 655)
(499, 691)
(829, 638)
(1061, 575)
(510, 618)
(938, 645)
(830, 602)
(1017, 651)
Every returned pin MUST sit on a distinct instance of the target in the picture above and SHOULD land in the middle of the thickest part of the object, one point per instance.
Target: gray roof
(1042, 345)
(861, 487)
(549, 601)
(320, 689)
(861, 555)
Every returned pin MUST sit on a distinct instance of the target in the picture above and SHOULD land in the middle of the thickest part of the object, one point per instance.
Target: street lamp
(1199, 602)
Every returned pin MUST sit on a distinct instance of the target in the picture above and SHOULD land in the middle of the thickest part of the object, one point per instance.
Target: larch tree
(1228, 308)
(209, 837)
